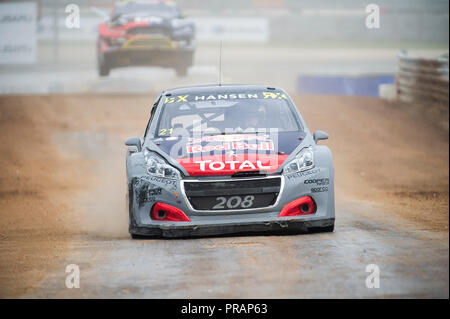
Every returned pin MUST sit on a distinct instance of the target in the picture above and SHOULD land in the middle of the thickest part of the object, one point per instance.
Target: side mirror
(320, 135)
(134, 141)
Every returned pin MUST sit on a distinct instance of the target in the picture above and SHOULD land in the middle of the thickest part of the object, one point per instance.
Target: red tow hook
(166, 212)
(302, 206)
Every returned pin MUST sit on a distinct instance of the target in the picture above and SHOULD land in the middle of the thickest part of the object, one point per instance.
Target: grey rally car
(226, 159)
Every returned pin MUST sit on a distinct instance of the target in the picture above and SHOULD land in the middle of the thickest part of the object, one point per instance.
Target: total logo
(229, 165)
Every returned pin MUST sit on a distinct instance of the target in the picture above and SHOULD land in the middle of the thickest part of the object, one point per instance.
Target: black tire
(181, 70)
(326, 229)
(102, 64)
(103, 68)
(135, 236)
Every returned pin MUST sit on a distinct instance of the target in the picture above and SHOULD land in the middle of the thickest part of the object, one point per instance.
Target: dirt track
(62, 194)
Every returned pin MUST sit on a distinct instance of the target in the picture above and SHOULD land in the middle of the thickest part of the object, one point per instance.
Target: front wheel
(134, 236)
(325, 229)
(328, 229)
(103, 68)
(181, 70)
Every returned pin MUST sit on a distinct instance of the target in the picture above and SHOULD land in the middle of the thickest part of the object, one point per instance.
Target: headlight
(116, 41)
(184, 32)
(181, 28)
(302, 162)
(177, 23)
(157, 166)
(185, 29)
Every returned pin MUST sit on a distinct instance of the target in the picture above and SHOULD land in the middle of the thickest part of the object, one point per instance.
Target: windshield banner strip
(225, 96)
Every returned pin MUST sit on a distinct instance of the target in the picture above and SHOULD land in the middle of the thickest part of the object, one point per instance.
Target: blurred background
(304, 46)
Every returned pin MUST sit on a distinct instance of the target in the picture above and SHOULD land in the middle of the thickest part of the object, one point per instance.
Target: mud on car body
(228, 159)
(145, 33)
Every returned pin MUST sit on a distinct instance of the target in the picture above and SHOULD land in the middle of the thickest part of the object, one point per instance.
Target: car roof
(127, 2)
(124, 3)
(216, 88)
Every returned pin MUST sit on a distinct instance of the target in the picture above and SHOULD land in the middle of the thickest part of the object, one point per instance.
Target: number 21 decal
(165, 131)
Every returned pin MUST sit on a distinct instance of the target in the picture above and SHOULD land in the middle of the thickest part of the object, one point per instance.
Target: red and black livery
(146, 33)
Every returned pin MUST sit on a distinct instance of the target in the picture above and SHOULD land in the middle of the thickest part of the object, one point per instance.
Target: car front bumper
(165, 55)
(146, 191)
(200, 230)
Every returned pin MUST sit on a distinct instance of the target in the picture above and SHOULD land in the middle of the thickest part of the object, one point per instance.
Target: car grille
(149, 31)
(202, 195)
(144, 42)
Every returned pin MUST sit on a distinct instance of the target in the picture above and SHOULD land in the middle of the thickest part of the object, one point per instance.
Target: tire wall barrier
(422, 81)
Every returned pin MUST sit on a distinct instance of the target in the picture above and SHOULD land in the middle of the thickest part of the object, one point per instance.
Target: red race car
(146, 33)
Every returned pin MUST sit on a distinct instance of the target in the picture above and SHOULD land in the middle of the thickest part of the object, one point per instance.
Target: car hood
(232, 153)
(149, 18)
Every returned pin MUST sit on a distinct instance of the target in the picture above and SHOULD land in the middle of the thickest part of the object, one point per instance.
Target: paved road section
(412, 263)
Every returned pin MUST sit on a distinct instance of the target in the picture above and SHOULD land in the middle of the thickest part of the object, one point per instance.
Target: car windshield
(145, 8)
(227, 113)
